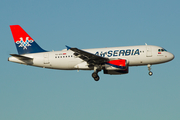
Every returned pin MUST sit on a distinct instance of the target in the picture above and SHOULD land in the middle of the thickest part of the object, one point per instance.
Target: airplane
(112, 60)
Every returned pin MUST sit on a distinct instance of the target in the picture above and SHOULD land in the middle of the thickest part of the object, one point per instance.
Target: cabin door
(46, 58)
(148, 51)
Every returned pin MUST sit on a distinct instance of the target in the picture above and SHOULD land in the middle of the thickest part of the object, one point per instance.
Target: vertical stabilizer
(24, 43)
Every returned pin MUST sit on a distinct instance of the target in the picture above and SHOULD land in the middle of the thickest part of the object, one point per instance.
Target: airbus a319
(112, 60)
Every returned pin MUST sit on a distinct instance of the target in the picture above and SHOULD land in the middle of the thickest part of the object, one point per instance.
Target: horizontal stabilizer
(20, 57)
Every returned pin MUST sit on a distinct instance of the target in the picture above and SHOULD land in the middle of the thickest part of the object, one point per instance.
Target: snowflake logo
(24, 44)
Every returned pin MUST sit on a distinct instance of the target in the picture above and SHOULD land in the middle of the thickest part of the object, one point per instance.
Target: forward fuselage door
(148, 51)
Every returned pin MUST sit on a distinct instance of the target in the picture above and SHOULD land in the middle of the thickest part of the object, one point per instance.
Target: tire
(96, 78)
(150, 73)
(94, 74)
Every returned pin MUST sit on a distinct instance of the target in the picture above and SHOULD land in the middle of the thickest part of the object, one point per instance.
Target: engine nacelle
(116, 72)
(115, 67)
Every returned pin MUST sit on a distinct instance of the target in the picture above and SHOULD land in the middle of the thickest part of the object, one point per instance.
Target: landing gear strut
(95, 73)
(149, 68)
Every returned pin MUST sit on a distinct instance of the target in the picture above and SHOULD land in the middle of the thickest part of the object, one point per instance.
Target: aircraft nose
(171, 56)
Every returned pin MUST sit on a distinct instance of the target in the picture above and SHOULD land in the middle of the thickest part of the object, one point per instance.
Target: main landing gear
(95, 76)
(149, 68)
(95, 73)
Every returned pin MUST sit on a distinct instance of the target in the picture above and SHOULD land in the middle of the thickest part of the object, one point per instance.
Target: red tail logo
(24, 43)
(20, 36)
(18, 33)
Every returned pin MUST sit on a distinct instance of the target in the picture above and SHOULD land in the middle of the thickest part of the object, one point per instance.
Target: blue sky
(28, 93)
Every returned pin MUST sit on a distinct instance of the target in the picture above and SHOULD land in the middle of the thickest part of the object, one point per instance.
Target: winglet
(68, 47)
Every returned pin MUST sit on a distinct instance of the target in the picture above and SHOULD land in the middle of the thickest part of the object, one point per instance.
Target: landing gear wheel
(97, 68)
(96, 78)
(94, 74)
(150, 73)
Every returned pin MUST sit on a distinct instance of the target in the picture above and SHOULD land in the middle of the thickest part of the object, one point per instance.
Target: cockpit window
(162, 50)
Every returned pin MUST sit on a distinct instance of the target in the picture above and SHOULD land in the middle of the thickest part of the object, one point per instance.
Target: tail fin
(24, 43)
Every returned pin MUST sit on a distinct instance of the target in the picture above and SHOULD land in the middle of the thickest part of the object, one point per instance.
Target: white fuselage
(65, 59)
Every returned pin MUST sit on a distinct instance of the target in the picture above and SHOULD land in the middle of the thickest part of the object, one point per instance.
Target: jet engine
(116, 67)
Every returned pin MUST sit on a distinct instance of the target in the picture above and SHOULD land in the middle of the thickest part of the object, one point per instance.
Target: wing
(90, 58)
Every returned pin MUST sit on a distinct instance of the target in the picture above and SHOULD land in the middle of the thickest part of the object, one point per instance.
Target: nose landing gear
(150, 73)
(149, 68)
